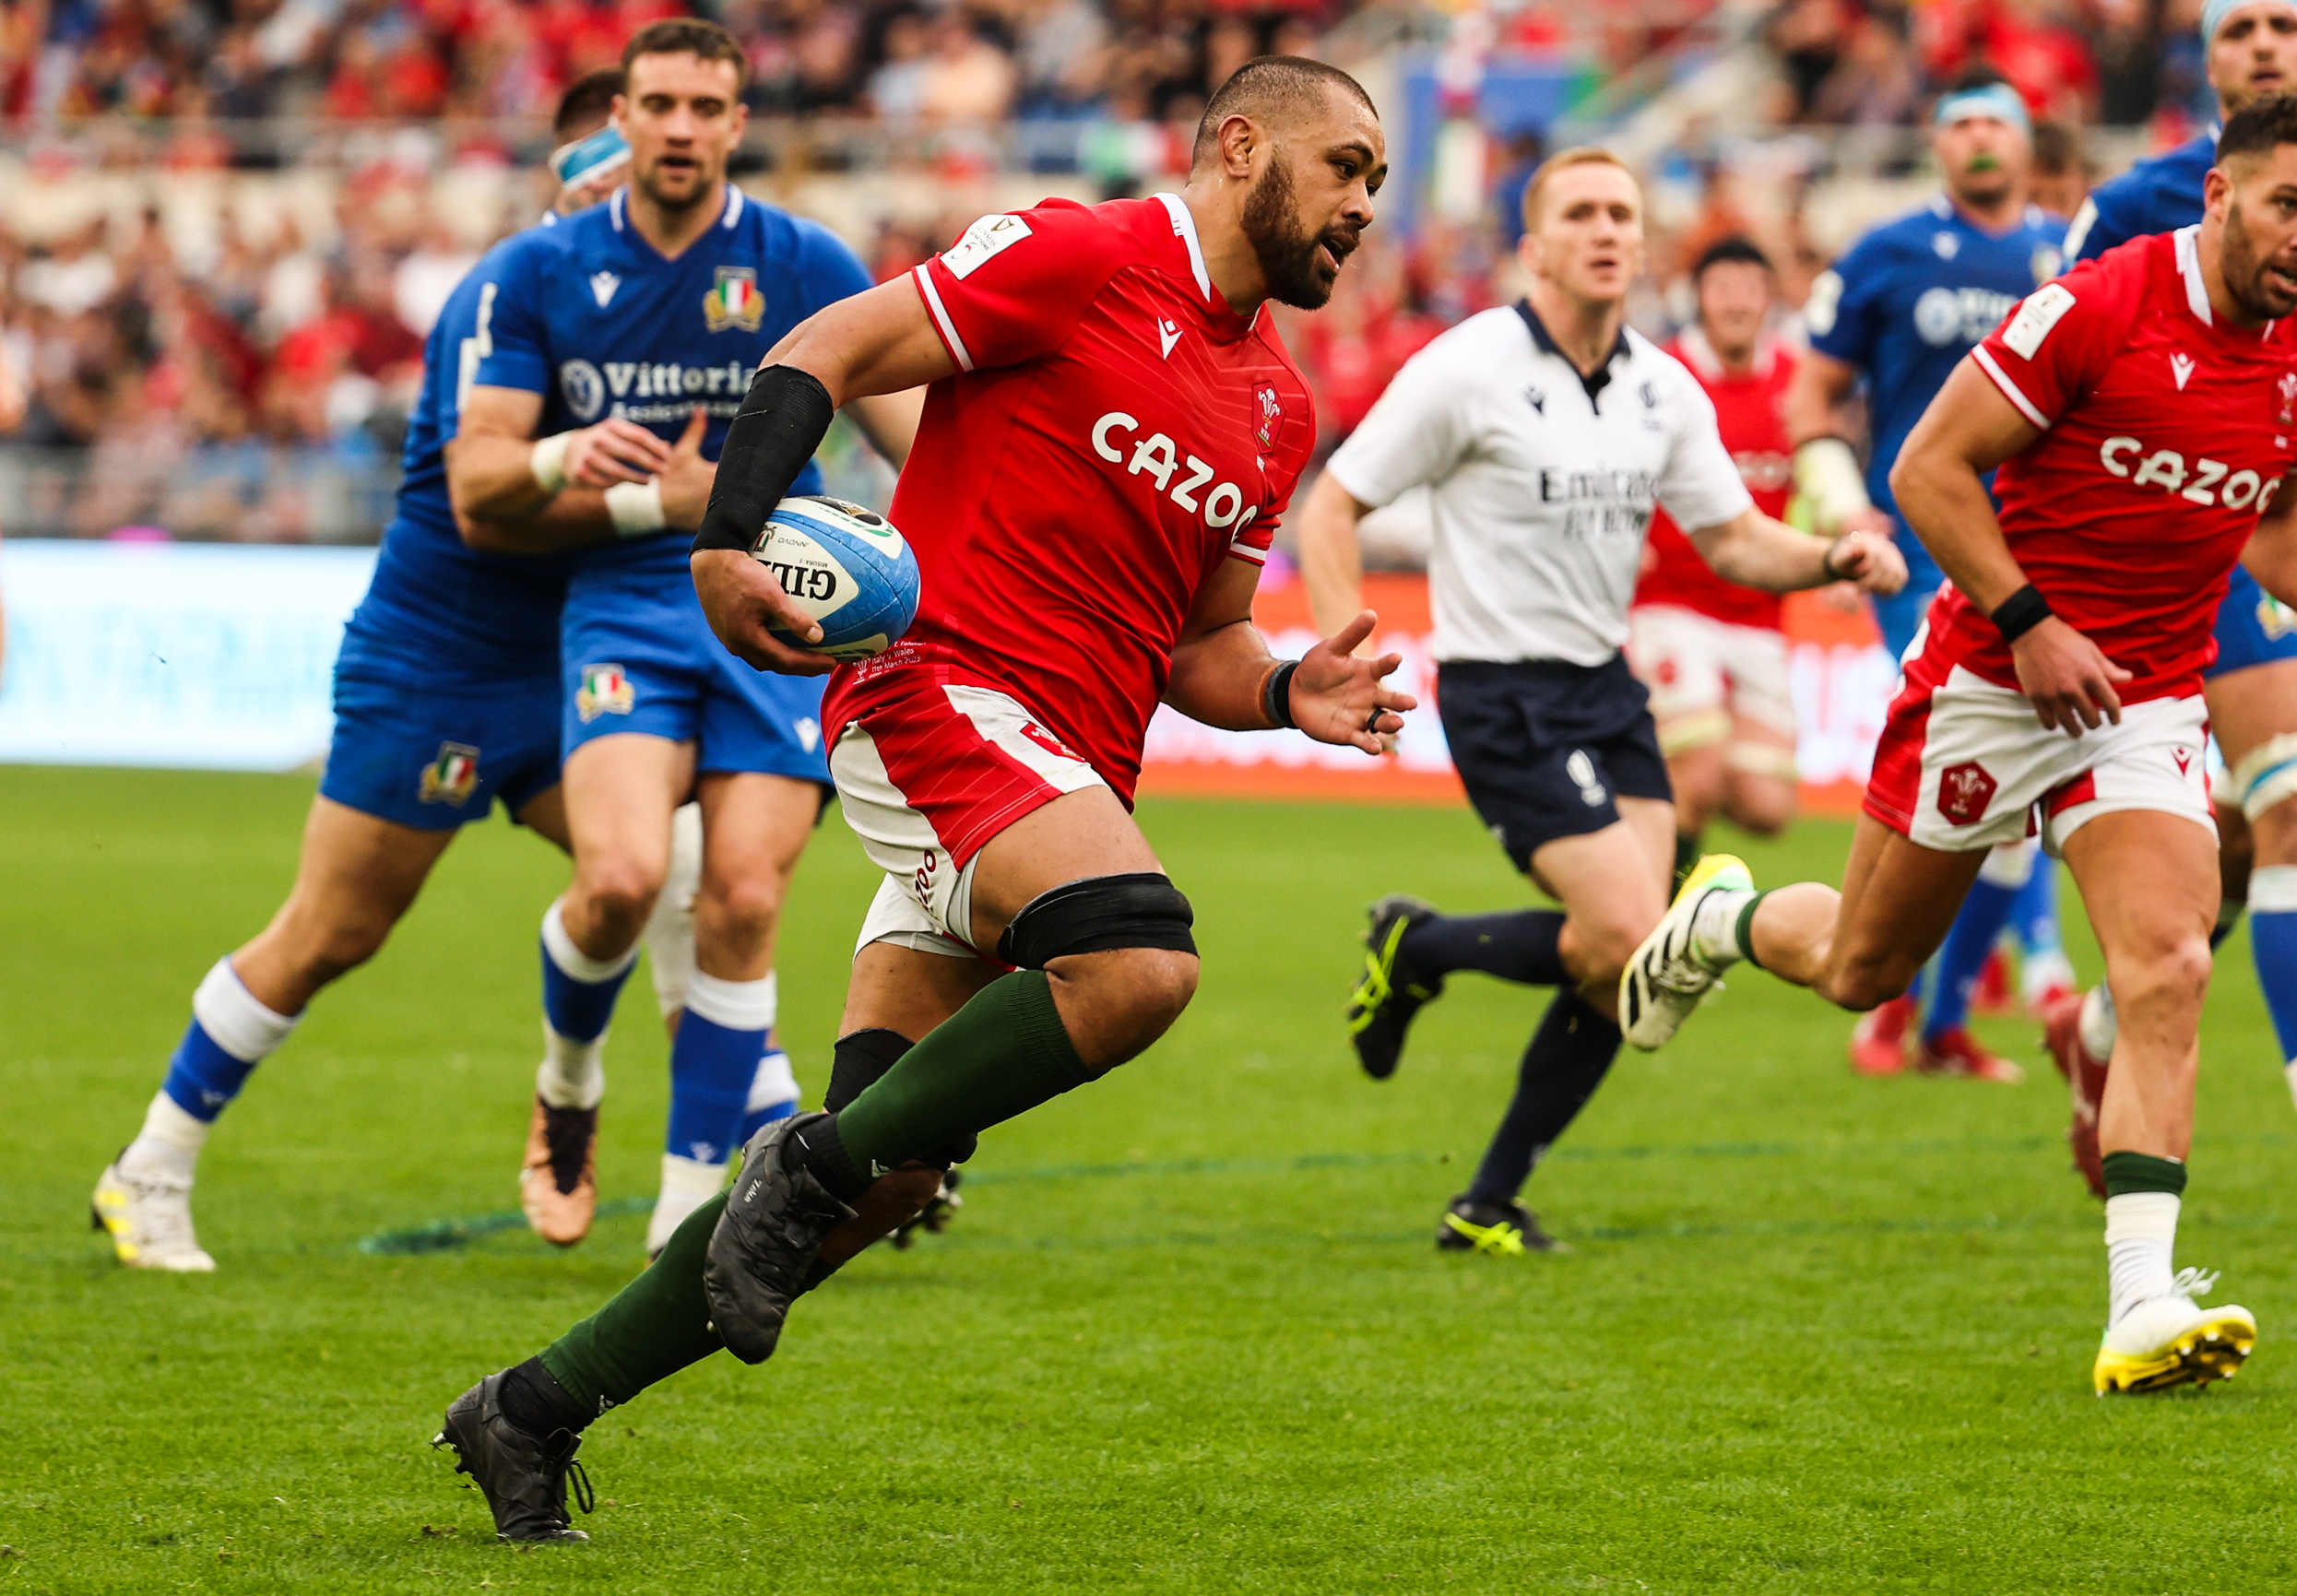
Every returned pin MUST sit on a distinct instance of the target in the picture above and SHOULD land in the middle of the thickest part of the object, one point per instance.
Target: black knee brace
(861, 1059)
(1100, 912)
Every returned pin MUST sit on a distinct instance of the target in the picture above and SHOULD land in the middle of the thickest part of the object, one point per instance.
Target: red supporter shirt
(2166, 435)
(1114, 432)
(1750, 413)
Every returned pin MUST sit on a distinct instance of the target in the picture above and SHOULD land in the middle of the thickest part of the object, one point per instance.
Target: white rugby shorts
(926, 780)
(1703, 671)
(1964, 765)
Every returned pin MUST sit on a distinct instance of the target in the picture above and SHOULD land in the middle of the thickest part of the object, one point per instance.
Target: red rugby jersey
(1750, 413)
(1113, 433)
(2167, 433)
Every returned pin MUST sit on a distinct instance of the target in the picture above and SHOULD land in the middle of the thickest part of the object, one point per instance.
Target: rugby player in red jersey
(1111, 431)
(1712, 651)
(2143, 412)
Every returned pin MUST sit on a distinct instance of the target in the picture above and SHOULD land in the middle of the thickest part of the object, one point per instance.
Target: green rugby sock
(2131, 1172)
(1000, 1055)
(654, 1327)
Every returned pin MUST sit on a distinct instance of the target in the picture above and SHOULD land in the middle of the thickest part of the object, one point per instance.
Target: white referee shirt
(1541, 481)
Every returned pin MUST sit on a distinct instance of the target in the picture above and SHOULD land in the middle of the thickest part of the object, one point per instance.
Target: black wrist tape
(1276, 695)
(2020, 613)
(780, 424)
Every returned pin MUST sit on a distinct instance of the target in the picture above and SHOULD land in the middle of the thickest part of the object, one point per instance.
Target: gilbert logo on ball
(845, 566)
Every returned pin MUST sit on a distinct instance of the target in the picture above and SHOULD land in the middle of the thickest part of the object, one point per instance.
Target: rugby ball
(846, 567)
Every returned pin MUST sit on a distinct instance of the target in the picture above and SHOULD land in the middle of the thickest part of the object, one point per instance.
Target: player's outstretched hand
(742, 599)
(1339, 699)
(687, 477)
(2067, 678)
(1869, 558)
(614, 451)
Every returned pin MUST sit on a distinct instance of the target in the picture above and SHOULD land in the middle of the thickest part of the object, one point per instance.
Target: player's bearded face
(2260, 261)
(683, 117)
(1983, 159)
(1300, 260)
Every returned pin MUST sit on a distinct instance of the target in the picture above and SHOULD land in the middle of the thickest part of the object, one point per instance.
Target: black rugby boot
(523, 1478)
(764, 1252)
(1381, 1009)
(1501, 1229)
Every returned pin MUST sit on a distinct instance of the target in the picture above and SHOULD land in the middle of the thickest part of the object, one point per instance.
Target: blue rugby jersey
(1908, 300)
(2161, 193)
(590, 315)
(438, 610)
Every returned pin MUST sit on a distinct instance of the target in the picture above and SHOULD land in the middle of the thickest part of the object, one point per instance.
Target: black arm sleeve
(780, 424)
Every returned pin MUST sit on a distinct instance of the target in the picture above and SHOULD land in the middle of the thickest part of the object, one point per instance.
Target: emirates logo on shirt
(1272, 414)
(1964, 791)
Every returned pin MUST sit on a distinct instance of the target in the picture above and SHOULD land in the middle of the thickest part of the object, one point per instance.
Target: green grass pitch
(1819, 1333)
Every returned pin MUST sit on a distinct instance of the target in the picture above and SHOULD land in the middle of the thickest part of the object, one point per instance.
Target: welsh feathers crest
(1269, 410)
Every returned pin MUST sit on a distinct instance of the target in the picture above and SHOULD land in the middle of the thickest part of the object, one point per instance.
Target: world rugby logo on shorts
(582, 389)
(453, 777)
(604, 691)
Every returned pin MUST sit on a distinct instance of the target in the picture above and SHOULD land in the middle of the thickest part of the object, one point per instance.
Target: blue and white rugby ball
(845, 566)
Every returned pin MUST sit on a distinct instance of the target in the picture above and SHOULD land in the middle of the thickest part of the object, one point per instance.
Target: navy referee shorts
(1545, 748)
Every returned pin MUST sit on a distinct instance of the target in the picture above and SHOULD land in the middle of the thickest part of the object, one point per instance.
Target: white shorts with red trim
(926, 778)
(1701, 672)
(1965, 765)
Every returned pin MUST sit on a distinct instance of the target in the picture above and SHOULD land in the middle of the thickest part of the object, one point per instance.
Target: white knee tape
(776, 1081)
(572, 960)
(1761, 759)
(2267, 776)
(669, 936)
(2011, 866)
(2273, 889)
(234, 1019)
(737, 1005)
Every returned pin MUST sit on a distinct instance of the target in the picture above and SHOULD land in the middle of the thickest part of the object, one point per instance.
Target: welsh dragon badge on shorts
(453, 777)
(604, 691)
(734, 300)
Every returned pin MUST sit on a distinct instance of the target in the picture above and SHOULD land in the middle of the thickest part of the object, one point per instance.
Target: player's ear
(1239, 136)
(2217, 187)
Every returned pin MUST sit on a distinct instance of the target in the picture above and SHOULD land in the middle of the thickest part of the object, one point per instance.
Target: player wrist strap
(1277, 696)
(1827, 475)
(2021, 612)
(781, 422)
(548, 461)
(636, 508)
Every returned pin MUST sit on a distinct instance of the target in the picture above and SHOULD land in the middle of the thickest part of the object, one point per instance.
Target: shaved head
(1274, 91)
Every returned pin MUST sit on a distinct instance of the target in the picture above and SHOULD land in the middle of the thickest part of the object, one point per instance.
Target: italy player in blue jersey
(2251, 689)
(615, 349)
(446, 698)
(1900, 310)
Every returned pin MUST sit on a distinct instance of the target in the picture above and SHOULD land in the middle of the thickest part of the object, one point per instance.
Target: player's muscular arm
(502, 505)
(1755, 550)
(878, 342)
(1331, 560)
(2271, 555)
(889, 421)
(1939, 481)
(1826, 469)
(1221, 672)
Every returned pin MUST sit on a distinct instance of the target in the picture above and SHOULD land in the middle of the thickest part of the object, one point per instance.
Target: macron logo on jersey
(602, 287)
(1167, 335)
(2181, 367)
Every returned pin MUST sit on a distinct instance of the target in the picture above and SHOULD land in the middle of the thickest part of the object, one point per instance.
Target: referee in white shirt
(1547, 432)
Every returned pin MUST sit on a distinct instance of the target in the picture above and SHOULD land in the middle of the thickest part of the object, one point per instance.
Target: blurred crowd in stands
(259, 389)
